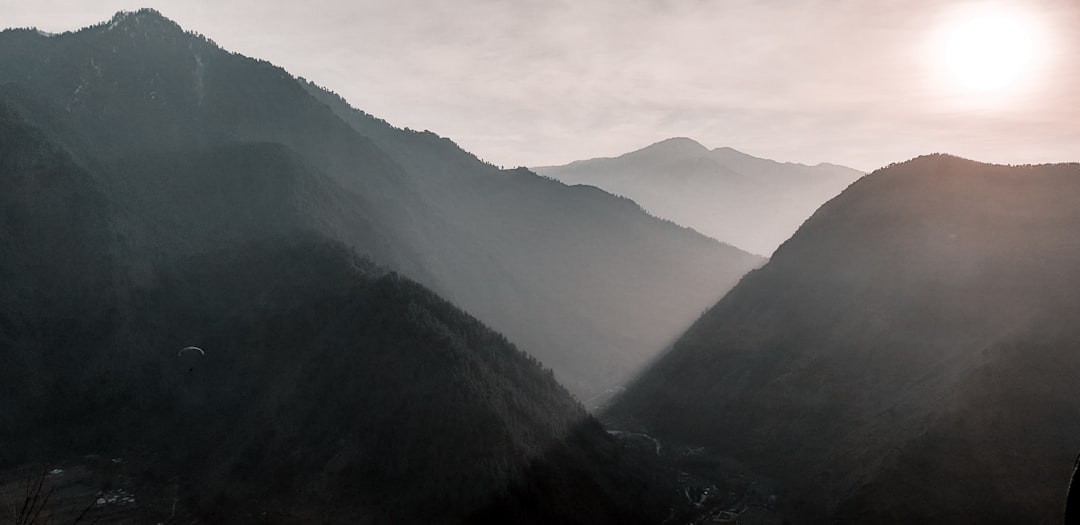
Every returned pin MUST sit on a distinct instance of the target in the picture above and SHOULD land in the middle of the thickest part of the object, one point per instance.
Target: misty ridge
(755, 204)
(231, 296)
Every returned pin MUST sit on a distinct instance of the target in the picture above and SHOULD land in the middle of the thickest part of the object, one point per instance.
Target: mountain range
(206, 268)
(753, 203)
(232, 296)
(587, 282)
(908, 356)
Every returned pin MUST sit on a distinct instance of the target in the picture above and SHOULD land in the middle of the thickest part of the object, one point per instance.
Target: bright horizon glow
(989, 52)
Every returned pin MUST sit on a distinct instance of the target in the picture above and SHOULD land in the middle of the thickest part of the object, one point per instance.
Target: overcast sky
(540, 82)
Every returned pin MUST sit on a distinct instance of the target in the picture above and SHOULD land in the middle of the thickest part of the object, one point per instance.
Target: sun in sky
(989, 51)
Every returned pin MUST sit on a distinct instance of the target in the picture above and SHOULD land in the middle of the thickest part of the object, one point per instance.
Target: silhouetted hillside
(165, 121)
(225, 212)
(753, 203)
(324, 387)
(910, 355)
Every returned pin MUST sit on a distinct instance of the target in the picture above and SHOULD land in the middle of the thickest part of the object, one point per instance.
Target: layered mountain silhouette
(590, 280)
(587, 282)
(755, 204)
(158, 193)
(909, 356)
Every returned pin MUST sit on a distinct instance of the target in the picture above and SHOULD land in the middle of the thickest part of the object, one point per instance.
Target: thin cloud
(535, 82)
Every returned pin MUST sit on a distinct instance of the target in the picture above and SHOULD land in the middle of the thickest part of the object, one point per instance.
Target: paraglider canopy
(190, 349)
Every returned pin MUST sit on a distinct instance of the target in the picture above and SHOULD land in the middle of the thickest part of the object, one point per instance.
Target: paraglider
(190, 349)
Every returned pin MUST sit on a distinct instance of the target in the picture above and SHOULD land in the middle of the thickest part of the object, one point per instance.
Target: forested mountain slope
(165, 122)
(323, 388)
(910, 355)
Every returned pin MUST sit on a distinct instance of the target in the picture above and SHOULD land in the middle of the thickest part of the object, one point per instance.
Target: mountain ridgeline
(157, 193)
(590, 280)
(755, 204)
(910, 356)
(167, 123)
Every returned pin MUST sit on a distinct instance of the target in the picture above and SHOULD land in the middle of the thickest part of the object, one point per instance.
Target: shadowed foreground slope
(910, 355)
(327, 390)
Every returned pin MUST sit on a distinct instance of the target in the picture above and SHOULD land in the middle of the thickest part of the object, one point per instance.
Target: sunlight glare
(989, 52)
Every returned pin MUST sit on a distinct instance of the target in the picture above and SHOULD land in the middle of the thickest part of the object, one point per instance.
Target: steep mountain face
(590, 278)
(755, 204)
(910, 355)
(324, 388)
(145, 105)
(587, 282)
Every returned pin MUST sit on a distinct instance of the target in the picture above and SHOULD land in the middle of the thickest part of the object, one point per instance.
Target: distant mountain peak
(678, 145)
(750, 202)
